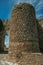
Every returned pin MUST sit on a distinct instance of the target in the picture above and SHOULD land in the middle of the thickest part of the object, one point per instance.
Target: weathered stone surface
(40, 33)
(26, 59)
(23, 24)
(23, 31)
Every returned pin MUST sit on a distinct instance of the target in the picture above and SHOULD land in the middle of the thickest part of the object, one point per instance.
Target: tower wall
(23, 31)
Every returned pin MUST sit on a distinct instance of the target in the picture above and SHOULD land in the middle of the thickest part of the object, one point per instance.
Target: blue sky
(7, 5)
(7, 39)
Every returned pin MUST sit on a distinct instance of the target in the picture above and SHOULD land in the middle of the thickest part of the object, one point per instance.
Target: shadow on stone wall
(2, 38)
(4, 52)
(40, 35)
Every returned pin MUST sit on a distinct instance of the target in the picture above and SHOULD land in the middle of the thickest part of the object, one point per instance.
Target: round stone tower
(23, 31)
(1, 36)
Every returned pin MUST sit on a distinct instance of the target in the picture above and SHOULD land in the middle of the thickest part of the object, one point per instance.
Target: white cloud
(39, 15)
(39, 4)
(27, 1)
(34, 1)
(39, 8)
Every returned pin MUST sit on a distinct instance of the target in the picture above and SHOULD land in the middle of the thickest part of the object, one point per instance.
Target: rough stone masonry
(23, 31)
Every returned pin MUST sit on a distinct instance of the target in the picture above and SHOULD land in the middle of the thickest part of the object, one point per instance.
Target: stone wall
(23, 31)
(40, 33)
(40, 30)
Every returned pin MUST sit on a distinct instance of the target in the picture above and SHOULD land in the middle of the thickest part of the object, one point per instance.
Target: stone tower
(1, 36)
(23, 31)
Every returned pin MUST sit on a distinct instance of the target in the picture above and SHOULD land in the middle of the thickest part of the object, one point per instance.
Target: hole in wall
(6, 43)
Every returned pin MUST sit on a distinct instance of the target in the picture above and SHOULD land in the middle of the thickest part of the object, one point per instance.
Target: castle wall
(23, 31)
(40, 33)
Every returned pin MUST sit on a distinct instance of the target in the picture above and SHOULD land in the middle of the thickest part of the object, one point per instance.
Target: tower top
(23, 6)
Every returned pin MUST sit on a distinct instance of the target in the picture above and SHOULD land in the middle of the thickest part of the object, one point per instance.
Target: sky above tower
(7, 5)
